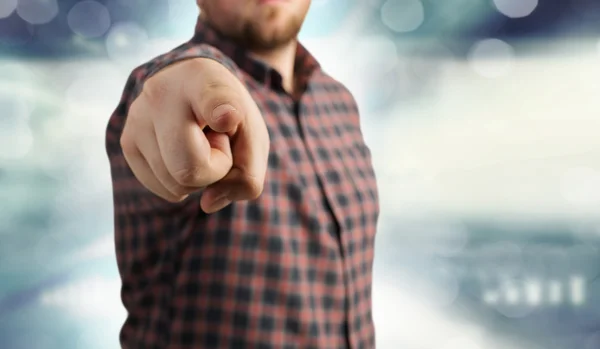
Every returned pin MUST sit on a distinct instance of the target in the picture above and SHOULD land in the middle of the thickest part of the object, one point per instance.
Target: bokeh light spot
(491, 58)
(37, 11)
(7, 7)
(126, 41)
(440, 286)
(516, 8)
(403, 15)
(89, 18)
(513, 302)
(91, 93)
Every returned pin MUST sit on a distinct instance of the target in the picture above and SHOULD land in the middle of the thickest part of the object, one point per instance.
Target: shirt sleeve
(129, 195)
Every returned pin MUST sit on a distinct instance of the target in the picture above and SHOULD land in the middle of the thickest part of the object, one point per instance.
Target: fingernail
(223, 196)
(221, 111)
(221, 202)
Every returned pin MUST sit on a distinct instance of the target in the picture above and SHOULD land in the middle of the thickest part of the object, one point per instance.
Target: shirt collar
(305, 64)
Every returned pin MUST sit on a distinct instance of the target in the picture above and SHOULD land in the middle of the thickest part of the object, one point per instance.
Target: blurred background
(482, 115)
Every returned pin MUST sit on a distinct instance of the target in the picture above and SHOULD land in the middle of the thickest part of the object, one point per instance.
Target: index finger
(250, 148)
(183, 146)
(216, 96)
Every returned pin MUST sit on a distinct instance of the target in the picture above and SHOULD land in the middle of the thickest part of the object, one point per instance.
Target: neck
(281, 59)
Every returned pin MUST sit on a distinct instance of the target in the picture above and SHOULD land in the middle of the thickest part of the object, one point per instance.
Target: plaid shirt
(291, 269)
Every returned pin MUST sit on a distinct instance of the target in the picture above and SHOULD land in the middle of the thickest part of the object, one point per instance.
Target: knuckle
(178, 191)
(156, 89)
(189, 176)
(134, 110)
(175, 198)
(127, 144)
(128, 136)
(254, 186)
(134, 117)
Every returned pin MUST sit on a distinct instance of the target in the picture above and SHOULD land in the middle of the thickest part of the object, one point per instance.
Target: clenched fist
(195, 126)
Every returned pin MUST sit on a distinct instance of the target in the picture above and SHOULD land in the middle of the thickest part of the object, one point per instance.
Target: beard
(256, 36)
(261, 32)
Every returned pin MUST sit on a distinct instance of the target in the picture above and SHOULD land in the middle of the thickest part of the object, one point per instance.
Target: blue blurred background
(482, 115)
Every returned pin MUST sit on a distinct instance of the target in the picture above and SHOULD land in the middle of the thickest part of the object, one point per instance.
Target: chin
(274, 23)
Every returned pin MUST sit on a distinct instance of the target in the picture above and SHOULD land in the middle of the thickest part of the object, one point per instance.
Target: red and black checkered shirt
(291, 269)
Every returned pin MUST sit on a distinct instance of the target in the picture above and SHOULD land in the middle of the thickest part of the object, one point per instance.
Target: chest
(317, 148)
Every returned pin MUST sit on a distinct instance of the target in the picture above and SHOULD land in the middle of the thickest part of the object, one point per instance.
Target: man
(244, 195)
